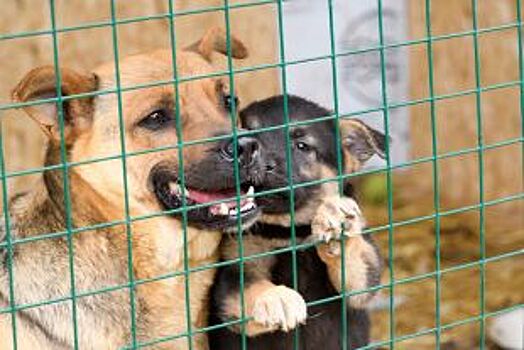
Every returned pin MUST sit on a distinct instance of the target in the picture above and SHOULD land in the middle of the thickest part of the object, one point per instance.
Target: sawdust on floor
(414, 254)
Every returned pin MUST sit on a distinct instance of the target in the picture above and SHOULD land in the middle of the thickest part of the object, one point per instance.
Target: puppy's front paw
(280, 307)
(332, 214)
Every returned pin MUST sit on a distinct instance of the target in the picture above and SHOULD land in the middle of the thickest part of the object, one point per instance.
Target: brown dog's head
(143, 118)
(313, 151)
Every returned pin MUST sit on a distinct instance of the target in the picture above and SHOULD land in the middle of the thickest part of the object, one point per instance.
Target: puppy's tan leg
(362, 259)
(272, 308)
(362, 267)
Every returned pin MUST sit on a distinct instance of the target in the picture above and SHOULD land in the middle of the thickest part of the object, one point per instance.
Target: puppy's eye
(304, 147)
(228, 101)
(157, 120)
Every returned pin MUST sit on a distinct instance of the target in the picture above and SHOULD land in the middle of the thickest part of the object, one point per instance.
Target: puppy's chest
(252, 245)
(263, 238)
(310, 271)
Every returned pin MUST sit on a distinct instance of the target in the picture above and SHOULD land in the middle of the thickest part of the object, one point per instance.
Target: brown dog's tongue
(206, 197)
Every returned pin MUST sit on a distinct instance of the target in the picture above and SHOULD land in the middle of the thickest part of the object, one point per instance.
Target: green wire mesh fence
(386, 106)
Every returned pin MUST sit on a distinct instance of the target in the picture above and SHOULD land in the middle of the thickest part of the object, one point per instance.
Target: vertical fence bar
(65, 171)
(521, 74)
(8, 240)
(289, 156)
(389, 187)
(482, 340)
(181, 176)
(233, 116)
(121, 124)
(340, 172)
(436, 184)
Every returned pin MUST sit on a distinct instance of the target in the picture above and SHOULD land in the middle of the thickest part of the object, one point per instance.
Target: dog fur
(101, 256)
(270, 301)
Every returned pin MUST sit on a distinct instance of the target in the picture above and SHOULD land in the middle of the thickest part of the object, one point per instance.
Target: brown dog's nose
(247, 150)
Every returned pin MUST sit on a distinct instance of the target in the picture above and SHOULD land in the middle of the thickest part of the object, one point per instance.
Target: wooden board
(454, 71)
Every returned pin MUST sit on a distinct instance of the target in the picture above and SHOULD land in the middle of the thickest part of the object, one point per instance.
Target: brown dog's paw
(332, 214)
(281, 308)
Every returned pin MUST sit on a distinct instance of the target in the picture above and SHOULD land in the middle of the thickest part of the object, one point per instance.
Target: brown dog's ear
(40, 83)
(361, 142)
(215, 39)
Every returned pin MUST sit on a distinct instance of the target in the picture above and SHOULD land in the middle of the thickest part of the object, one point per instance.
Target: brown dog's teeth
(223, 209)
(174, 187)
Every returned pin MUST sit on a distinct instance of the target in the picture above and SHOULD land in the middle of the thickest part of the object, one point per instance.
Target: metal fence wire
(10, 243)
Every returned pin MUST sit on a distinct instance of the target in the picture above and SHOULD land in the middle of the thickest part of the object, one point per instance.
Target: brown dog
(106, 255)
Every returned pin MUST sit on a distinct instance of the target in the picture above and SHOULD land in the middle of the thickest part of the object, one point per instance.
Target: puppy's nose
(247, 150)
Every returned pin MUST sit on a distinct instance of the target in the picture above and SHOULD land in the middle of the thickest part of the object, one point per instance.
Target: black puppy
(319, 212)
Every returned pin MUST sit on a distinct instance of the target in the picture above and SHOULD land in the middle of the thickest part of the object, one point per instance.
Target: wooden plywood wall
(454, 71)
(87, 48)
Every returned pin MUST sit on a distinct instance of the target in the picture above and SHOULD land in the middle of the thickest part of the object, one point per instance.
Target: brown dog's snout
(248, 150)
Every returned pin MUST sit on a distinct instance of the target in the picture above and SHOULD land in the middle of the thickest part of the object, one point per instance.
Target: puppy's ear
(215, 39)
(360, 142)
(40, 84)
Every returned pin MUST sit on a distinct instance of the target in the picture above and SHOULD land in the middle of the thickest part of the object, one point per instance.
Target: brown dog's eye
(228, 101)
(157, 120)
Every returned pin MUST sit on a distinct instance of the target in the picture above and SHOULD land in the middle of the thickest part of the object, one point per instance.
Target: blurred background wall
(454, 72)
(501, 109)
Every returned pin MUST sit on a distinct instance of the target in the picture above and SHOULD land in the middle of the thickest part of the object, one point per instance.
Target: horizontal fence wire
(514, 197)
(254, 68)
(372, 345)
(399, 281)
(231, 72)
(20, 307)
(138, 19)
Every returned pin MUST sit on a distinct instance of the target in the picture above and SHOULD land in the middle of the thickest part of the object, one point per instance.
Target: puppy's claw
(333, 248)
(280, 307)
(337, 212)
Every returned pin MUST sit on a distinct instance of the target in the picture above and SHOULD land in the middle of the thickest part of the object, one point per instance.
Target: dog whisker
(318, 314)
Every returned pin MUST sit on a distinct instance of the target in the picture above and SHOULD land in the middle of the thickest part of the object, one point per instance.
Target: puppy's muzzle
(213, 179)
(248, 151)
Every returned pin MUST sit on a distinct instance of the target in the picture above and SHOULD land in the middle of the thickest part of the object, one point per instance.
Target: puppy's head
(143, 117)
(313, 152)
